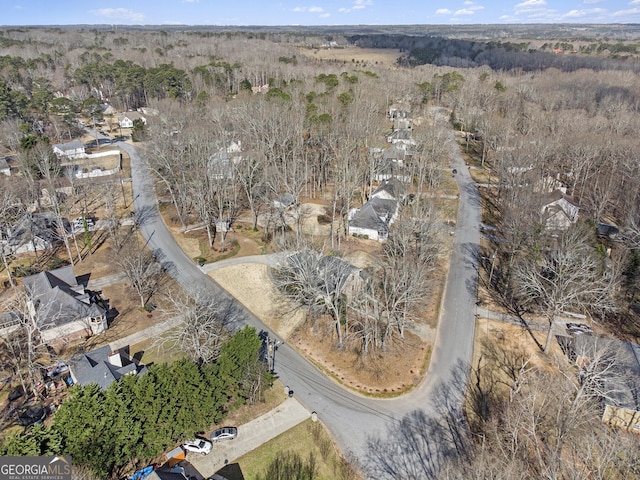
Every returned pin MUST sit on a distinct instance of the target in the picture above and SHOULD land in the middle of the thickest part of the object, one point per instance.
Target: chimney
(115, 359)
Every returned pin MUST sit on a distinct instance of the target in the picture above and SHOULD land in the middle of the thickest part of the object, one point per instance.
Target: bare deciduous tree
(320, 284)
(11, 208)
(144, 273)
(569, 275)
(203, 328)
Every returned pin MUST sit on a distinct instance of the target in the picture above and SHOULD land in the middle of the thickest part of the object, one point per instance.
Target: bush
(324, 219)
(25, 270)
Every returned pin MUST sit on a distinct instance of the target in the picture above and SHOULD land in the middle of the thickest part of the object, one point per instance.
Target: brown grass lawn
(304, 439)
(355, 56)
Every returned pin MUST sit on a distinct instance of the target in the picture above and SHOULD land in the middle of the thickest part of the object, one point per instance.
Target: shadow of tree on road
(419, 444)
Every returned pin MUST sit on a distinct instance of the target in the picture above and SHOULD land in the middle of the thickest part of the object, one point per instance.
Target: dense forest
(530, 120)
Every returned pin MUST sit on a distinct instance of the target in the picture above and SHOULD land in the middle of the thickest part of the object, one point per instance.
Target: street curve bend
(351, 418)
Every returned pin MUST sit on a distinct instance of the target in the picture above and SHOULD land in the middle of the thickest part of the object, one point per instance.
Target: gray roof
(393, 187)
(555, 196)
(286, 199)
(59, 299)
(4, 164)
(165, 475)
(41, 225)
(94, 367)
(73, 145)
(401, 134)
(394, 153)
(367, 217)
(623, 385)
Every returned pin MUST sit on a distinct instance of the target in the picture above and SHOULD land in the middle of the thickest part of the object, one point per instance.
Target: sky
(315, 12)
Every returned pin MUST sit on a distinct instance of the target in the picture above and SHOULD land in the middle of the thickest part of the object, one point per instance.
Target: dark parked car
(224, 433)
(16, 394)
(31, 415)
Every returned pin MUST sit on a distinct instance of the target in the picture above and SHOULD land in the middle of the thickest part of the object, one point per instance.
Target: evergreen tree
(80, 421)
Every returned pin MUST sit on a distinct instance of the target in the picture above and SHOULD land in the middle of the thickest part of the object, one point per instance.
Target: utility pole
(272, 346)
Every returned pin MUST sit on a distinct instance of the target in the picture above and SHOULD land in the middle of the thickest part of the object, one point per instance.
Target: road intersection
(352, 418)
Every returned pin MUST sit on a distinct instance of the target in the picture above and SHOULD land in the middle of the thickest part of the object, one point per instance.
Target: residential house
(125, 120)
(74, 149)
(261, 88)
(221, 164)
(558, 211)
(621, 386)
(62, 308)
(374, 218)
(34, 232)
(389, 163)
(284, 201)
(402, 124)
(402, 139)
(107, 109)
(399, 111)
(331, 272)
(173, 473)
(4, 167)
(391, 189)
(103, 367)
(9, 321)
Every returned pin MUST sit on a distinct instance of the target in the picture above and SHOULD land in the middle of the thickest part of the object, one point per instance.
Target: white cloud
(357, 5)
(123, 14)
(443, 11)
(584, 12)
(631, 11)
(468, 2)
(463, 11)
(532, 3)
(311, 9)
(325, 15)
(190, 1)
(634, 2)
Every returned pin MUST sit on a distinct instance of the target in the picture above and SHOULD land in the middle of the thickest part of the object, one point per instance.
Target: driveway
(250, 436)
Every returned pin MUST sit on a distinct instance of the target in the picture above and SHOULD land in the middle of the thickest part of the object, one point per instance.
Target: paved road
(350, 417)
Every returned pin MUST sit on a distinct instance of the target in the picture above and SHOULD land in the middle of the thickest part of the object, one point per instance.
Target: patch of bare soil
(352, 54)
(250, 285)
(393, 371)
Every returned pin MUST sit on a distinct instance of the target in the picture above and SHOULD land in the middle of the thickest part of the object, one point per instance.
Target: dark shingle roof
(393, 187)
(94, 367)
(58, 298)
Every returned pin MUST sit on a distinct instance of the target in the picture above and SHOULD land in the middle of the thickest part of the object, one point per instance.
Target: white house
(125, 120)
(558, 211)
(375, 217)
(74, 149)
(401, 139)
(34, 232)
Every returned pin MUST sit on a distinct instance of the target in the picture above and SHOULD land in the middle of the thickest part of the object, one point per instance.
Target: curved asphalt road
(350, 417)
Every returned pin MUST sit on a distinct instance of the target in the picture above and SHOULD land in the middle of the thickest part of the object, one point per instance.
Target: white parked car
(78, 224)
(199, 445)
